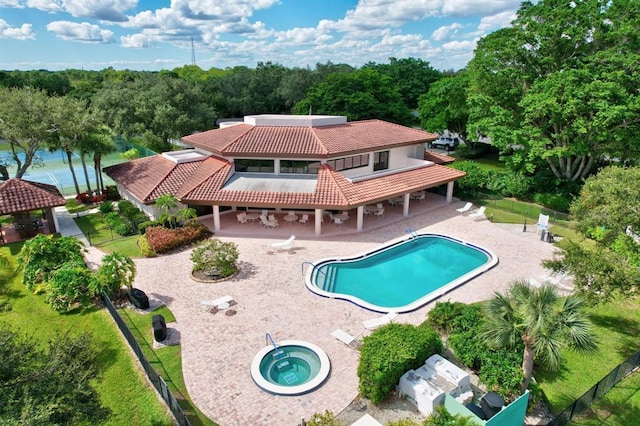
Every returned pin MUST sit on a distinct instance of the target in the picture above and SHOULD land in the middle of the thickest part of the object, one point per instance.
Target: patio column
(450, 191)
(360, 221)
(318, 220)
(405, 204)
(216, 218)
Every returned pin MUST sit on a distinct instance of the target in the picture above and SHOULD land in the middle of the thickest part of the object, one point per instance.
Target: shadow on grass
(628, 329)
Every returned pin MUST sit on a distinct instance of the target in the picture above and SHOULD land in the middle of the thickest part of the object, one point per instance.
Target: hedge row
(162, 239)
(389, 352)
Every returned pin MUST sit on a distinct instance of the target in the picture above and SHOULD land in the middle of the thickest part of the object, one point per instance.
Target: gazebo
(20, 199)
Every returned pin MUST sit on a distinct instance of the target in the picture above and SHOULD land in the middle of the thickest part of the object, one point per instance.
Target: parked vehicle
(446, 142)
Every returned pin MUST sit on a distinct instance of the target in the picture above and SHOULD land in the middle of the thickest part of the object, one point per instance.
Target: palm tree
(542, 321)
(167, 203)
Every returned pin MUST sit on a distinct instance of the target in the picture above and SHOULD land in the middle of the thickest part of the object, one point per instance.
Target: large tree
(444, 106)
(27, 122)
(360, 95)
(539, 319)
(559, 87)
(606, 211)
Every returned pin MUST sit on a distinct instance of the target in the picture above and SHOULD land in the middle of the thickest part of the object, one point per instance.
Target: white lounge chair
(242, 218)
(380, 321)
(283, 245)
(478, 214)
(543, 223)
(466, 208)
(304, 219)
(267, 223)
(219, 303)
(346, 338)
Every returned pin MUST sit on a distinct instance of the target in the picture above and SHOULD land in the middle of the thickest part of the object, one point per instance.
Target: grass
(618, 407)
(617, 331)
(73, 206)
(100, 235)
(166, 361)
(122, 386)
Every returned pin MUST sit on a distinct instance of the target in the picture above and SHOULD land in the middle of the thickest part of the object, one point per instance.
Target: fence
(603, 386)
(155, 378)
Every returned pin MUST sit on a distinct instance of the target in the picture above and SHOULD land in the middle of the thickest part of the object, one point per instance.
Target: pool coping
(416, 304)
(272, 388)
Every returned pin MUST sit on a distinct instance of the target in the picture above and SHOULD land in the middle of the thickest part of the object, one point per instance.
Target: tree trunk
(527, 366)
(86, 174)
(96, 166)
(73, 172)
(4, 172)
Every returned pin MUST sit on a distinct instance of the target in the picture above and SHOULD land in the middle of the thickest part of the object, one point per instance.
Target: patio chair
(478, 214)
(379, 206)
(272, 218)
(465, 209)
(379, 213)
(282, 245)
(242, 218)
(543, 223)
(268, 223)
(347, 339)
(380, 321)
(304, 219)
(337, 221)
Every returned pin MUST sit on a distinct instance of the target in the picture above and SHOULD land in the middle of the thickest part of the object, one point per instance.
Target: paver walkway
(217, 350)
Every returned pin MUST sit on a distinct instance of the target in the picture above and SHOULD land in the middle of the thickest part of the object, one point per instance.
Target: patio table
(252, 216)
(290, 218)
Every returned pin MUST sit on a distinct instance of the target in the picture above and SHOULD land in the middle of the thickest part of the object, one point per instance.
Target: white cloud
(83, 32)
(25, 32)
(468, 45)
(136, 41)
(18, 4)
(499, 20)
(46, 5)
(105, 10)
(446, 32)
(477, 7)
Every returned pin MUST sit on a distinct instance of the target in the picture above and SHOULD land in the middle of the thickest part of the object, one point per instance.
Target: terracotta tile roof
(151, 177)
(306, 142)
(17, 195)
(438, 158)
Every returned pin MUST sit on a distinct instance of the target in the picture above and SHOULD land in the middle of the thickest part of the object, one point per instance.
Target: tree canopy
(559, 87)
(444, 106)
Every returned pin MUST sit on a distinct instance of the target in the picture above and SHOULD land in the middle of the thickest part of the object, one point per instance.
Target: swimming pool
(403, 275)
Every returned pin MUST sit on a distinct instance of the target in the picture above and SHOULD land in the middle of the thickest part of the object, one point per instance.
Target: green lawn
(122, 386)
(166, 361)
(100, 235)
(617, 330)
(619, 407)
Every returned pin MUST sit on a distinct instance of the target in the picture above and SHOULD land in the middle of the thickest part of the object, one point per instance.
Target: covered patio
(30, 205)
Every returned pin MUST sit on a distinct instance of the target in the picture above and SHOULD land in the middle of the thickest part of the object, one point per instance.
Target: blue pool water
(403, 276)
(294, 366)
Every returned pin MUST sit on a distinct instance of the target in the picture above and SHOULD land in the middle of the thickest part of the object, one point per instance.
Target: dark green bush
(105, 207)
(476, 178)
(118, 224)
(126, 208)
(389, 352)
(454, 317)
(112, 193)
(553, 201)
(142, 226)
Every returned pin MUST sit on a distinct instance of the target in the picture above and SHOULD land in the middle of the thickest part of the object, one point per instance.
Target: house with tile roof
(304, 163)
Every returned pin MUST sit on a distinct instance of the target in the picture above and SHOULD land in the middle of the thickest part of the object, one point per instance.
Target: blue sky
(158, 34)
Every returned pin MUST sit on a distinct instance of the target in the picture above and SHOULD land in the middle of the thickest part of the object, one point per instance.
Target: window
(347, 163)
(300, 167)
(380, 161)
(254, 166)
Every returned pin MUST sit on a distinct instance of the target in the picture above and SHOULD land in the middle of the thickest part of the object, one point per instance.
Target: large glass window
(253, 165)
(380, 160)
(300, 167)
(349, 162)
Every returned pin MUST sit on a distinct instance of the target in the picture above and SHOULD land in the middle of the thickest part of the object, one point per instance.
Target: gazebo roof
(17, 195)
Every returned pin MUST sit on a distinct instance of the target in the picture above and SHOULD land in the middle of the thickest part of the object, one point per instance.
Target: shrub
(454, 317)
(68, 286)
(553, 201)
(215, 255)
(105, 207)
(112, 193)
(126, 208)
(476, 178)
(162, 239)
(142, 226)
(145, 248)
(389, 352)
(114, 276)
(118, 224)
(42, 255)
(324, 419)
(83, 198)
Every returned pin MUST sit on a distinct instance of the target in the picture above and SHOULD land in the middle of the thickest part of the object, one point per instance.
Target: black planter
(491, 404)
(138, 298)
(159, 328)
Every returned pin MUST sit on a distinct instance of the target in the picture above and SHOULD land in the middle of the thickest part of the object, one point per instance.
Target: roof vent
(185, 155)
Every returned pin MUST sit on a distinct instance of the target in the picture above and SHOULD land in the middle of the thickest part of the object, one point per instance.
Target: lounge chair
(242, 218)
(304, 219)
(543, 223)
(283, 245)
(465, 209)
(219, 303)
(478, 214)
(346, 338)
(380, 321)
(267, 223)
